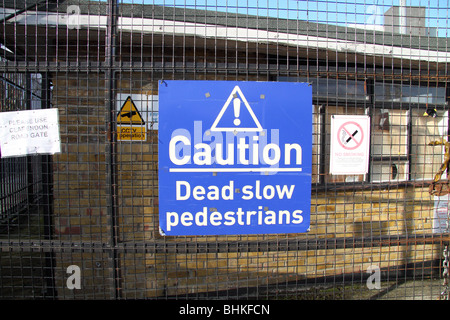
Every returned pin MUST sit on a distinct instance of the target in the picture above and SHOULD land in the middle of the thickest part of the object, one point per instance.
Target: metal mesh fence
(83, 223)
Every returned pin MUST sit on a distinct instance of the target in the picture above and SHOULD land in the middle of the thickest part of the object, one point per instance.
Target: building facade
(104, 190)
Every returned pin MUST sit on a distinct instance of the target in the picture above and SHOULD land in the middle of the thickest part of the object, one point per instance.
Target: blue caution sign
(234, 157)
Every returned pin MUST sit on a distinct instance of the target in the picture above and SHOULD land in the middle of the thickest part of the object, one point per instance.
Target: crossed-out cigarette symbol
(351, 135)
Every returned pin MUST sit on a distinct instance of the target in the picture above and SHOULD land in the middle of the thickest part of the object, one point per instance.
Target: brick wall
(80, 215)
(79, 182)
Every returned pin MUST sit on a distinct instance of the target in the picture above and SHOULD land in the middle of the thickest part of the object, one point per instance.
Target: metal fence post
(47, 199)
(111, 145)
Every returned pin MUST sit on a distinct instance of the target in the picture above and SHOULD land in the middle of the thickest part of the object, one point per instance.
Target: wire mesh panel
(83, 222)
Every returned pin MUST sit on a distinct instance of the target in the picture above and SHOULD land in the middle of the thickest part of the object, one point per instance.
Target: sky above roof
(365, 13)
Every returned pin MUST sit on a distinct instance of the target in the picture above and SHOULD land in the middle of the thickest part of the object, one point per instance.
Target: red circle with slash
(354, 135)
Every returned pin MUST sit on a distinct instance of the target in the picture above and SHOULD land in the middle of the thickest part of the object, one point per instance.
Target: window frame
(372, 105)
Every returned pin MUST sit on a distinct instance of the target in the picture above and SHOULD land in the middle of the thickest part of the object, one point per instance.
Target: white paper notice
(349, 150)
(29, 132)
(441, 206)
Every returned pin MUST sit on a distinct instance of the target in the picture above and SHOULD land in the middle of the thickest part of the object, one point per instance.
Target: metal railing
(84, 223)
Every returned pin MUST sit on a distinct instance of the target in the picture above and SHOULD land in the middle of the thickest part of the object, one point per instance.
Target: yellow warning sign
(129, 114)
(130, 125)
(131, 133)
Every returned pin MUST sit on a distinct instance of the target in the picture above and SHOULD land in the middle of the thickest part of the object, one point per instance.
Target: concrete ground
(428, 289)
(401, 289)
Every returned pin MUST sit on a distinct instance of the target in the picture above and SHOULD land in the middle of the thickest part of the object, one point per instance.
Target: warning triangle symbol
(235, 102)
(129, 114)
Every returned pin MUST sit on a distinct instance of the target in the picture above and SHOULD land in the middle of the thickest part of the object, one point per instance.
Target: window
(426, 159)
(389, 145)
(400, 133)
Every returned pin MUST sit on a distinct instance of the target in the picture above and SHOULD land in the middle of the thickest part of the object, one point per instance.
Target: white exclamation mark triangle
(238, 99)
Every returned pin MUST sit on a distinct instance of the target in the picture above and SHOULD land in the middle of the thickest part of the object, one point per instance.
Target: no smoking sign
(349, 151)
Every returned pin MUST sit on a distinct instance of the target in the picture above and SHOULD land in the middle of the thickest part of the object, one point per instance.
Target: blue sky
(340, 12)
